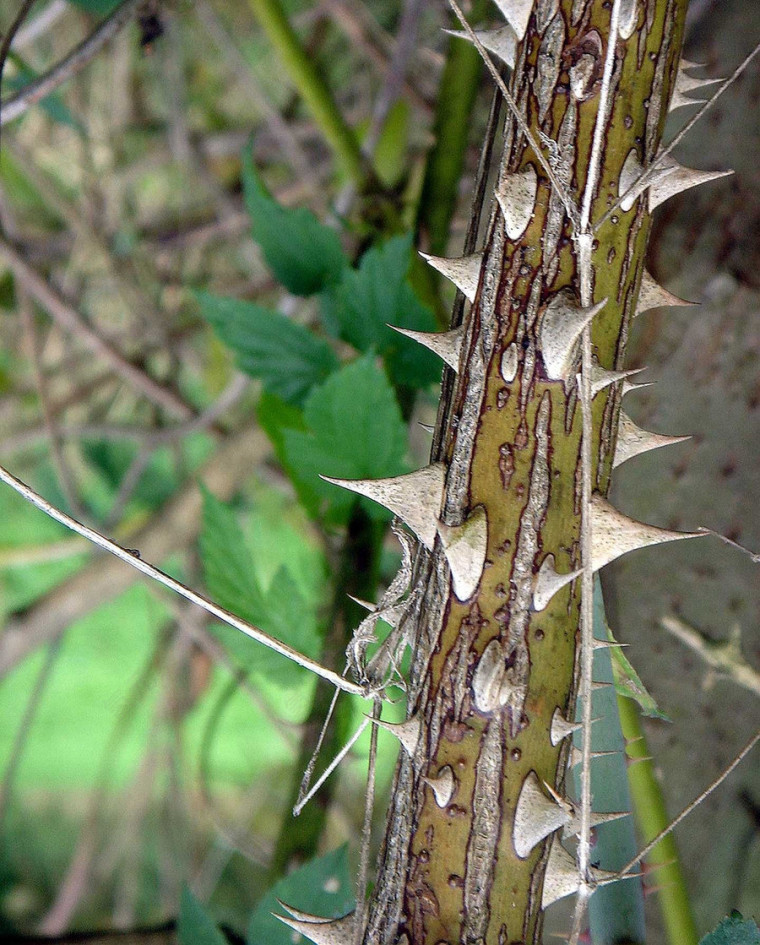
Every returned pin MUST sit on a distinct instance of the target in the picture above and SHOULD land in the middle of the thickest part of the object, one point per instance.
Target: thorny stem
(130, 557)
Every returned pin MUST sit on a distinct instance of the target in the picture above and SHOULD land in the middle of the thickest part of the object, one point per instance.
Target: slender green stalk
(652, 817)
(311, 87)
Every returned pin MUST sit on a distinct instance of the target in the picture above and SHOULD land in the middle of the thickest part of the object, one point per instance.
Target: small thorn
(561, 328)
(602, 378)
(446, 344)
(367, 605)
(463, 271)
(629, 387)
(408, 732)
(321, 931)
(415, 498)
(517, 14)
(547, 582)
(501, 42)
(561, 728)
(632, 440)
(653, 295)
(442, 786)
(536, 816)
(684, 84)
(614, 534)
(607, 644)
(465, 548)
(576, 756)
(672, 178)
(427, 427)
(630, 762)
(516, 195)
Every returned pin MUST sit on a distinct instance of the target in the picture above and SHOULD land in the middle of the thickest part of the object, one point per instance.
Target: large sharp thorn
(463, 271)
(446, 344)
(517, 198)
(632, 440)
(652, 295)
(442, 785)
(614, 534)
(548, 582)
(366, 604)
(562, 324)
(536, 816)
(465, 548)
(501, 42)
(629, 387)
(517, 14)
(602, 378)
(672, 178)
(561, 728)
(408, 732)
(576, 758)
(415, 498)
(318, 930)
(561, 877)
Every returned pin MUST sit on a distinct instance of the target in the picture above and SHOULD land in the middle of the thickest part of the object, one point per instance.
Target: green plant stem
(652, 817)
(311, 87)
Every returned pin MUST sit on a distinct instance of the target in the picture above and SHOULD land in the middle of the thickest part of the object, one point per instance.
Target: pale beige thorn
(629, 388)
(446, 344)
(561, 727)
(367, 605)
(465, 548)
(487, 677)
(536, 816)
(630, 174)
(614, 534)
(463, 271)
(547, 582)
(628, 18)
(427, 427)
(408, 732)
(632, 440)
(322, 931)
(442, 785)
(653, 295)
(687, 64)
(517, 14)
(517, 198)
(562, 877)
(415, 498)
(599, 686)
(576, 757)
(602, 378)
(676, 180)
(501, 42)
(684, 84)
(562, 324)
(607, 644)
(573, 829)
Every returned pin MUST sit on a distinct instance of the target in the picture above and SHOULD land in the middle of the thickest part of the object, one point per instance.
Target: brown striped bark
(510, 437)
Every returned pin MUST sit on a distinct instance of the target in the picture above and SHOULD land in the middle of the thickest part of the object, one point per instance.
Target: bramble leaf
(372, 297)
(287, 357)
(230, 573)
(734, 930)
(355, 431)
(304, 254)
(194, 925)
(321, 887)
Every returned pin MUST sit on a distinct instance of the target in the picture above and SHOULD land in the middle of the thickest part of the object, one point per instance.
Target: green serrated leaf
(355, 431)
(230, 574)
(734, 930)
(194, 925)
(321, 887)
(628, 683)
(304, 254)
(288, 358)
(376, 295)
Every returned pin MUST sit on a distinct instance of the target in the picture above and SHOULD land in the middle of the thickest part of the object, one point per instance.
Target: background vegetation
(142, 747)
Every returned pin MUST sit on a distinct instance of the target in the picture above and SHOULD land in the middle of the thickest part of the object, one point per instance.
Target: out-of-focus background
(133, 757)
